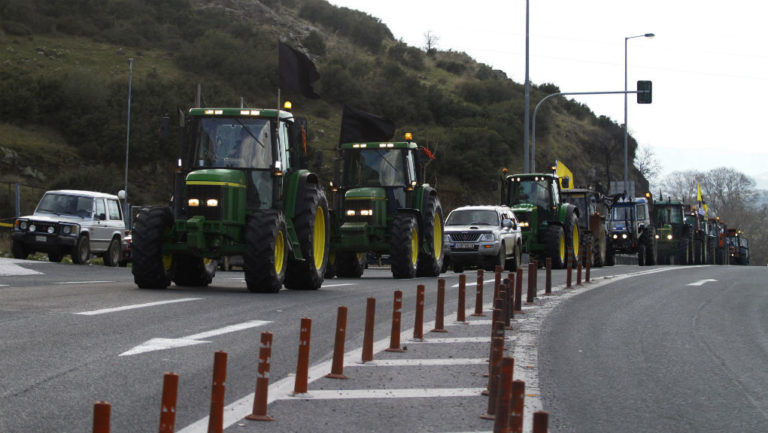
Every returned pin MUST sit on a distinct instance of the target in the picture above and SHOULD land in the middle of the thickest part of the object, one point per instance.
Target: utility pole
(126, 212)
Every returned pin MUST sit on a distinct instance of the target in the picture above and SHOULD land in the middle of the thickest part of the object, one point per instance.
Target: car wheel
(82, 251)
(112, 256)
(19, 250)
(55, 256)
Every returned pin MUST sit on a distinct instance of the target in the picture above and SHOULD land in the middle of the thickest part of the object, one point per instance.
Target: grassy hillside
(64, 86)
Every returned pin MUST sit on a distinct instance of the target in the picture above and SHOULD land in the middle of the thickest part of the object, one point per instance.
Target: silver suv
(78, 223)
(483, 236)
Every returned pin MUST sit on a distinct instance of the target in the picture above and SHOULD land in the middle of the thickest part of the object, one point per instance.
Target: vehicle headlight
(32, 227)
(194, 202)
(669, 237)
(23, 225)
(366, 212)
(523, 224)
(446, 238)
(487, 237)
(623, 235)
(350, 212)
(212, 202)
(615, 236)
(65, 230)
(51, 230)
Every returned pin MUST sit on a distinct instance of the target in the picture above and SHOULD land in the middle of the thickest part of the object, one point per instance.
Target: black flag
(359, 126)
(297, 72)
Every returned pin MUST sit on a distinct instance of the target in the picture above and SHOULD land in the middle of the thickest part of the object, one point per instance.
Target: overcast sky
(708, 63)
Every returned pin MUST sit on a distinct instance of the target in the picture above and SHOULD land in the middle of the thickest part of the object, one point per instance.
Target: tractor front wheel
(430, 264)
(555, 245)
(266, 252)
(151, 269)
(404, 247)
(312, 229)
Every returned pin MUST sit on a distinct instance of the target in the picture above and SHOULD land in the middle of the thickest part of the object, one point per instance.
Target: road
(73, 335)
(669, 352)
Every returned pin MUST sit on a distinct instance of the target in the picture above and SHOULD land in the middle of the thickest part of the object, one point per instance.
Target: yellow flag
(563, 172)
(698, 194)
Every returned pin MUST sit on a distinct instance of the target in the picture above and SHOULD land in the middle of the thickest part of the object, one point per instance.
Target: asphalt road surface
(677, 351)
(74, 335)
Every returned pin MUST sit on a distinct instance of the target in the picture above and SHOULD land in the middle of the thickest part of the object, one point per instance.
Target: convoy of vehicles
(483, 236)
(381, 204)
(75, 223)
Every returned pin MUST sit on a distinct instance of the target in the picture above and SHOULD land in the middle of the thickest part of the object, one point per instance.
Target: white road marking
(325, 286)
(12, 268)
(702, 282)
(83, 282)
(424, 362)
(135, 306)
(389, 393)
(456, 340)
(468, 284)
(191, 340)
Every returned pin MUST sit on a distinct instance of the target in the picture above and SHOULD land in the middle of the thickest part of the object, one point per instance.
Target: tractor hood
(366, 193)
(217, 176)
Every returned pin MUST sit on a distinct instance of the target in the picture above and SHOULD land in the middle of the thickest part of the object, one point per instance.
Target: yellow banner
(563, 173)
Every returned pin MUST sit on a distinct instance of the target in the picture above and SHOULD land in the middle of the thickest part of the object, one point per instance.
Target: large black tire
(113, 253)
(651, 254)
(684, 252)
(312, 228)
(55, 256)
(610, 253)
(266, 251)
(587, 244)
(81, 251)
(430, 264)
(641, 254)
(351, 265)
(555, 246)
(193, 271)
(330, 267)
(19, 250)
(573, 235)
(151, 270)
(600, 249)
(404, 245)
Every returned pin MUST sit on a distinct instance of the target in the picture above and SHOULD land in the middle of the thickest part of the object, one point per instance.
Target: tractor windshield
(375, 167)
(226, 142)
(622, 212)
(533, 191)
(669, 215)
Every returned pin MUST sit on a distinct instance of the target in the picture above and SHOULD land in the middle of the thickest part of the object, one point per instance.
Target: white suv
(78, 223)
(483, 236)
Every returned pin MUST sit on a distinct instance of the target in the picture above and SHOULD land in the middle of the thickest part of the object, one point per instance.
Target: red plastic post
(479, 295)
(302, 365)
(504, 397)
(548, 278)
(588, 265)
(531, 283)
(216, 417)
(418, 328)
(569, 269)
(496, 281)
(497, 353)
(337, 365)
(370, 317)
(578, 273)
(518, 403)
(506, 296)
(519, 291)
(440, 309)
(460, 313)
(540, 422)
(262, 381)
(101, 412)
(394, 340)
(168, 403)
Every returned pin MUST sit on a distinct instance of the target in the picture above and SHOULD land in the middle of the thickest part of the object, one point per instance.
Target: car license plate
(41, 238)
(463, 246)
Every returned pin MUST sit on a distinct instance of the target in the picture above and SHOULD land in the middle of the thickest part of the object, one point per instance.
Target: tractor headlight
(487, 237)
(523, 224)
(194, 202)
(615, 236)
(212, 202)
(623, 235)
(669, 237)
(350, 212)
(366, 212)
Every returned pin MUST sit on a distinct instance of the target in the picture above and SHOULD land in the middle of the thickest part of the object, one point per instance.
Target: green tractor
(673, 234)
(550, 226)
(381, 204)
(702, 237)
(238, 191)
(593, 209)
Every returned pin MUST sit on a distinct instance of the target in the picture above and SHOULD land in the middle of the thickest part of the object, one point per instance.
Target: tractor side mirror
(566, 182)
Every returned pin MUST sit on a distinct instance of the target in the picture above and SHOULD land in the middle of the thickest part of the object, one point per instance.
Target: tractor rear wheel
(430, 264)
(312, 229)
(641, 254)
(599, 251)
(572, 235)
(266, 252)
(404, 245)
(555, 246)
(193, 271)
(151, 269)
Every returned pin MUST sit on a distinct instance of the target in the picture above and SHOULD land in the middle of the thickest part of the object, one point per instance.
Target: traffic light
(644, 94)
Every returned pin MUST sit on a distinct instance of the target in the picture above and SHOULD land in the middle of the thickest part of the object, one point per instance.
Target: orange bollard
(216, 418)
(518, 403)
(504, 398)
(460, 314)
(569, 269)
(418, 328)
(440, 309)
(101, 412)
(497, 353)
(302, 366)
(496, 281)
(519, 291)
(531, 283)
(168, 403)
(507, 309)
(588, 265)
(394, 340)
(548, 277)
(540, 422)
(479, 295)
(262, 381)
(578, 273)
(370, 317)
(337, 366)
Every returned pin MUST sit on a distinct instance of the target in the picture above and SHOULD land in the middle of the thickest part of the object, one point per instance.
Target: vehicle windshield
(578, 200)
(669, 215)
(472, 217)
(375, 167)
(226, 142)
(532, 191)
(65, 204)
(621, 212)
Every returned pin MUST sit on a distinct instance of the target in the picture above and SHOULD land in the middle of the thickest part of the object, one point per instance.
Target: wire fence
(17, 199)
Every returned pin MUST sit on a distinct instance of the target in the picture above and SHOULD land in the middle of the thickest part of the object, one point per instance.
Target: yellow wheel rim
(437, 237)
(414, 246)
(562, 248)
(318, 238)
(279, 252)
(576, 241)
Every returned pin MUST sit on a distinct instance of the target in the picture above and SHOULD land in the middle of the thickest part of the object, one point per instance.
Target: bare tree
(430, 42)
(647, 163)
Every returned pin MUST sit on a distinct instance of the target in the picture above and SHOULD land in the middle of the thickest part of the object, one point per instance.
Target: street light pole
(127, 141)
(526, 131)
(626, 133)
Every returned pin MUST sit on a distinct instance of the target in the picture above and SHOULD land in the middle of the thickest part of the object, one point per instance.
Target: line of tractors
(242, 189)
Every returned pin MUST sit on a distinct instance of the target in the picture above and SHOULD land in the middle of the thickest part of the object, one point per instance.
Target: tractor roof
(381, 145)
(239, 112)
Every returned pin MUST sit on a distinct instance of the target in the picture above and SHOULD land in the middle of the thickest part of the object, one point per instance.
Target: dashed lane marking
(387, 393)
(135, 306)
(423, 362)
(84, 282)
